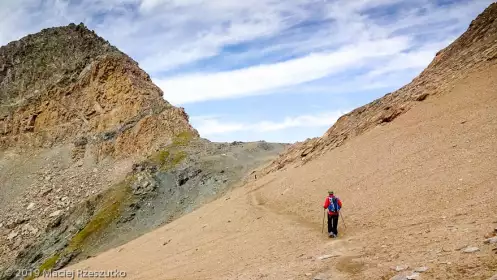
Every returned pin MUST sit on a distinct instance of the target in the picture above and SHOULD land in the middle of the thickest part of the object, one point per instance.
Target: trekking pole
(324, 214)
(343, 220)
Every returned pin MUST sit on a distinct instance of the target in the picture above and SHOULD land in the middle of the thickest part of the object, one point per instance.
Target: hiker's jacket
(327, 203)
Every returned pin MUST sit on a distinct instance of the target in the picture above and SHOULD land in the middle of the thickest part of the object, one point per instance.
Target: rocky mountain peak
(67, 84)
(54, 56)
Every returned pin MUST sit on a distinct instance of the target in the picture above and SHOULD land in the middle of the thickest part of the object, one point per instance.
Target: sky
(274, 70)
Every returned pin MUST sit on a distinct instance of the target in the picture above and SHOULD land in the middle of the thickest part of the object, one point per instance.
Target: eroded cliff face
(476, 48)
(67, 85)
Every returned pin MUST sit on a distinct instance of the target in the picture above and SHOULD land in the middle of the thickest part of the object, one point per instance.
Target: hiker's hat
(330, 192)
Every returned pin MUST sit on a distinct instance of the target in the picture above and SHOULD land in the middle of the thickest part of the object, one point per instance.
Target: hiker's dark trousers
(333, 224)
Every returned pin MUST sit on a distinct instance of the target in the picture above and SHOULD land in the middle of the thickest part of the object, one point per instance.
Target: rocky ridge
(67, 84)
(476, 47)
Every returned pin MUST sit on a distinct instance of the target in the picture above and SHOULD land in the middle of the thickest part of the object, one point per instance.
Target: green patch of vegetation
(110, 210)
(167, 159)
(172, 155)
(47, 265)
(161, 157)
(182, 139)
(176, 159)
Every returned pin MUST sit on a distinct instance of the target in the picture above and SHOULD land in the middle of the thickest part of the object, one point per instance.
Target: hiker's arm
(340, 203)
(326, 203)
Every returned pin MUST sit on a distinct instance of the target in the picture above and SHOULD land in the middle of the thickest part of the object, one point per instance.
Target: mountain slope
(474, 48)
(67, 84)
(75, 113)
(92, 156)
(417, 191)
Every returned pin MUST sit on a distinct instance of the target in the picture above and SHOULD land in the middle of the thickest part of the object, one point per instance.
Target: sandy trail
(414, 191)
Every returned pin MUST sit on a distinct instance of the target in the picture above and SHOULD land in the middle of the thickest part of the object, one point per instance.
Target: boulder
(55, 213)
(13, 234)
(471, 249)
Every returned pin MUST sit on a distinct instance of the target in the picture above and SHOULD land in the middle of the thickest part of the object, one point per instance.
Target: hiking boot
(331, 235)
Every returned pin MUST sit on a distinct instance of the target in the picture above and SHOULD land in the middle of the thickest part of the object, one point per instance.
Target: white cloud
(415, 60)
(162, 34)
(165, 34)
(386, 74)
(357, 35)
(211, 125)
(188, 31)
(264, 78)
(319, 120)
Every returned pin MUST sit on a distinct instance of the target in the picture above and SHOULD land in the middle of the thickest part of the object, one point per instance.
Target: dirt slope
(414, 192)
(417, 191)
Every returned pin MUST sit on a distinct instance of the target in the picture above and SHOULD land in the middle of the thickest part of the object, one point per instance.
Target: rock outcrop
(476, 47)
(67, 84)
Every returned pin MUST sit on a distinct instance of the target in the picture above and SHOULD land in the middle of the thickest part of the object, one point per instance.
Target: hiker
(333, 204)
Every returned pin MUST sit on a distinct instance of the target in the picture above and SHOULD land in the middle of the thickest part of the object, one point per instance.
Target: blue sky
(274, 70)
